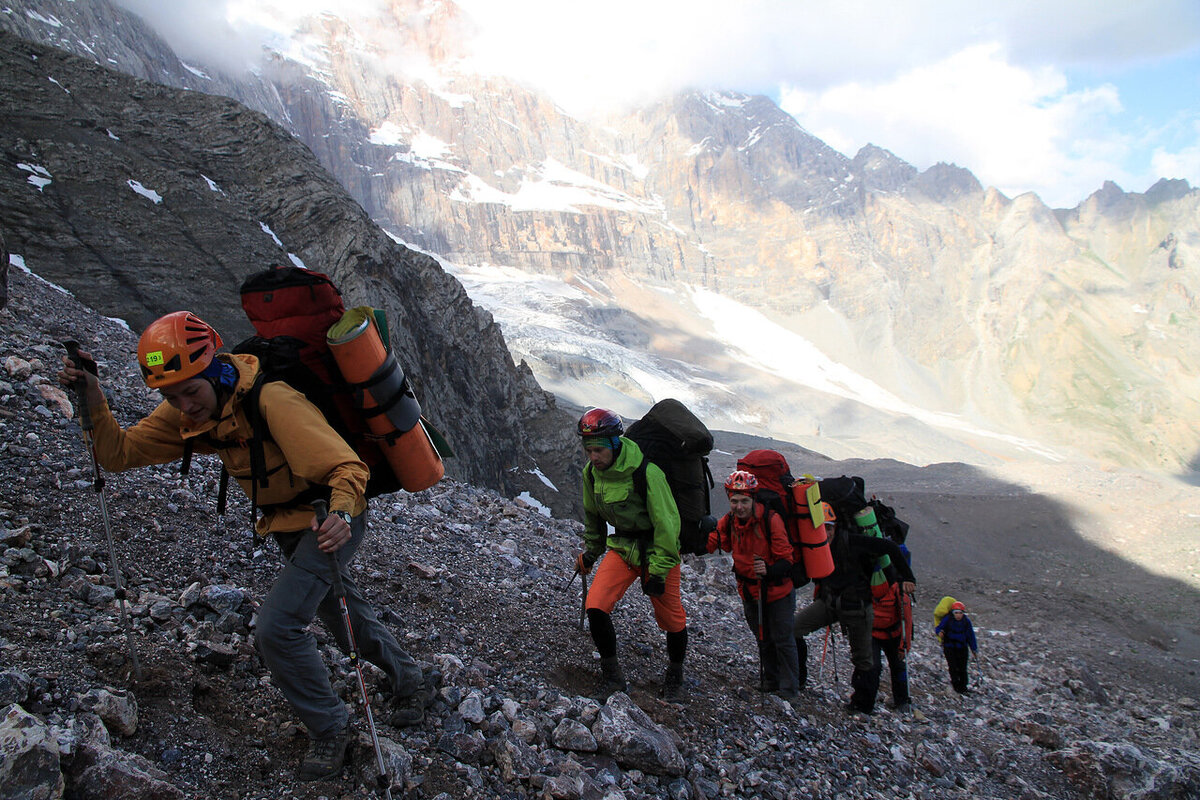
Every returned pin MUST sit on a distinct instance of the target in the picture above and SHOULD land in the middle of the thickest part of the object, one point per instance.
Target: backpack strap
(639, 480)
(185, 465)
(222, 491)
(258, 459)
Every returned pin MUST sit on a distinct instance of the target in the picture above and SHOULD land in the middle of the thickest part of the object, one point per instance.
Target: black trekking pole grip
(80, 386)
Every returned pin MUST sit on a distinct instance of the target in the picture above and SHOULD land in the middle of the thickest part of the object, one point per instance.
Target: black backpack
(674, 439)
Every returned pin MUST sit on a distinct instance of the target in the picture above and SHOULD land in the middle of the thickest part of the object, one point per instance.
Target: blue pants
(303, 590)
(897, 666)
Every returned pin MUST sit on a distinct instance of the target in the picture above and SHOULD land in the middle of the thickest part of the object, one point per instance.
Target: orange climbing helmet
(175, 348)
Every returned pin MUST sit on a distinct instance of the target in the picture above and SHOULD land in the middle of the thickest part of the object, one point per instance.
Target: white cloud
(1016, 128)
(1022, 92)
(231, 33)
(1182, 163)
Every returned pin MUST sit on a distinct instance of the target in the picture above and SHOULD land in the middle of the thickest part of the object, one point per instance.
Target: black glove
(654, 586)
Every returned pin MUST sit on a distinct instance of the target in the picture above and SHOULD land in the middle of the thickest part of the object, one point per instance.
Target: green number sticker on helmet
(154, 359)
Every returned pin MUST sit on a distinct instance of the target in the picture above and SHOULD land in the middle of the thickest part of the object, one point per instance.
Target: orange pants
(614, 576)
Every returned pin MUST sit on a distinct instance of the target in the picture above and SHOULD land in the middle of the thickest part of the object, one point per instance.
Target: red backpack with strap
(774, 491)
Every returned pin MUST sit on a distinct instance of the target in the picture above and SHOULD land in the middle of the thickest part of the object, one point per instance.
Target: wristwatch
(345, 515)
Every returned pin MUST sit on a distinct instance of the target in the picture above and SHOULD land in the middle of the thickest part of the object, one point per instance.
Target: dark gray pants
(777, 649)
(303, 590)
(856, 624)
(856, 618)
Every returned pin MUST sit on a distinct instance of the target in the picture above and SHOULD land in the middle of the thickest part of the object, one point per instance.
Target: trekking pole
(583, 599)
(85, 422)
(761, 582)
(833, 660)
(824, 650)
(382, 779)
(762, 671)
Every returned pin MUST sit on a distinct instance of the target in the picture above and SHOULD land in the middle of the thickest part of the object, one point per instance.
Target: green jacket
(609, 497)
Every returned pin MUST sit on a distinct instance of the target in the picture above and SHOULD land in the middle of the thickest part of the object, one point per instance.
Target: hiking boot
(853, 710)
(673, 681)
(407, 711)
(611, 675)
(325, 757)
(903, 708)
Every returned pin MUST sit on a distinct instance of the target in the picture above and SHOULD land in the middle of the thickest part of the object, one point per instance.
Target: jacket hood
(627, 460)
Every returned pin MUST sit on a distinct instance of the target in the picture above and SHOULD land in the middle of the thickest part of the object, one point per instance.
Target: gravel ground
(1084, 689)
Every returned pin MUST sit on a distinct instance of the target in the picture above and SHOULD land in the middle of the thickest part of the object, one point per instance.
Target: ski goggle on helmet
(741, 482)
(600, 422)
(175, 348)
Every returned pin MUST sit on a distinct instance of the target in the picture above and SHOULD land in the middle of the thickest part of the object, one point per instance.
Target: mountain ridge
(1054, 324)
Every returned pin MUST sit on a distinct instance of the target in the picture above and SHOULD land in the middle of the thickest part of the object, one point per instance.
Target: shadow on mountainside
(1192, 476)
(1019, 561)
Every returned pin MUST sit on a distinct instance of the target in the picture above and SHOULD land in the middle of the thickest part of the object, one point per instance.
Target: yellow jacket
(302, 450)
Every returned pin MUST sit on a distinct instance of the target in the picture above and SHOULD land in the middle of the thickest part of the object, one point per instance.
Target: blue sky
(1049, 96)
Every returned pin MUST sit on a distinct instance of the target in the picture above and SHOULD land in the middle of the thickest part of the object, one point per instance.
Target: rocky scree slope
(477, 587)
(143, 199)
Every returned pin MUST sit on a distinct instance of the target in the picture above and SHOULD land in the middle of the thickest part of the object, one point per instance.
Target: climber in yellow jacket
(204, 404)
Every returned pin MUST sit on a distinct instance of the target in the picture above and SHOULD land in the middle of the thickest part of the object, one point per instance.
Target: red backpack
(774, 491)
(291, 310)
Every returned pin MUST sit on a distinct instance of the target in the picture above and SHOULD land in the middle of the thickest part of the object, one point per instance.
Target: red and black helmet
(741, 482)
(958, 607)
(600, 422)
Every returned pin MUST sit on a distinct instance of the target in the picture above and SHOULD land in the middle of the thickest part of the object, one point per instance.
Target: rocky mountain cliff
(1057, 326)
(146, 199)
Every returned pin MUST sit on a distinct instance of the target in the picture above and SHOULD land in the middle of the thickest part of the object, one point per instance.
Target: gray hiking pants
(856, 618)
(777, 649)
(303, 590)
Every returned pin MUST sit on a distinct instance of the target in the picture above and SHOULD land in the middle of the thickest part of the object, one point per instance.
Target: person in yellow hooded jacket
(204, 396)
(644, 544)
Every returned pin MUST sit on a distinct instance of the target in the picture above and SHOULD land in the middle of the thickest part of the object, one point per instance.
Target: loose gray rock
(118, 709)
(29, 760)
(222, 599)
(515, 759)
(635, 740)
(571, 734)
(14, 687)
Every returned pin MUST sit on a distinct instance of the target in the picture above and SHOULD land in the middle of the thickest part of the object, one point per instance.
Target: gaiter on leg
(676, 646)
(603, 633)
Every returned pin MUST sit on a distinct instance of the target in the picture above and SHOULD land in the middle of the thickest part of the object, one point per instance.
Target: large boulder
(29, 763)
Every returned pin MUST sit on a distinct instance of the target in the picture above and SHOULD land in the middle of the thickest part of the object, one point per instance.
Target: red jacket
(746, 540)
(887, 612)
